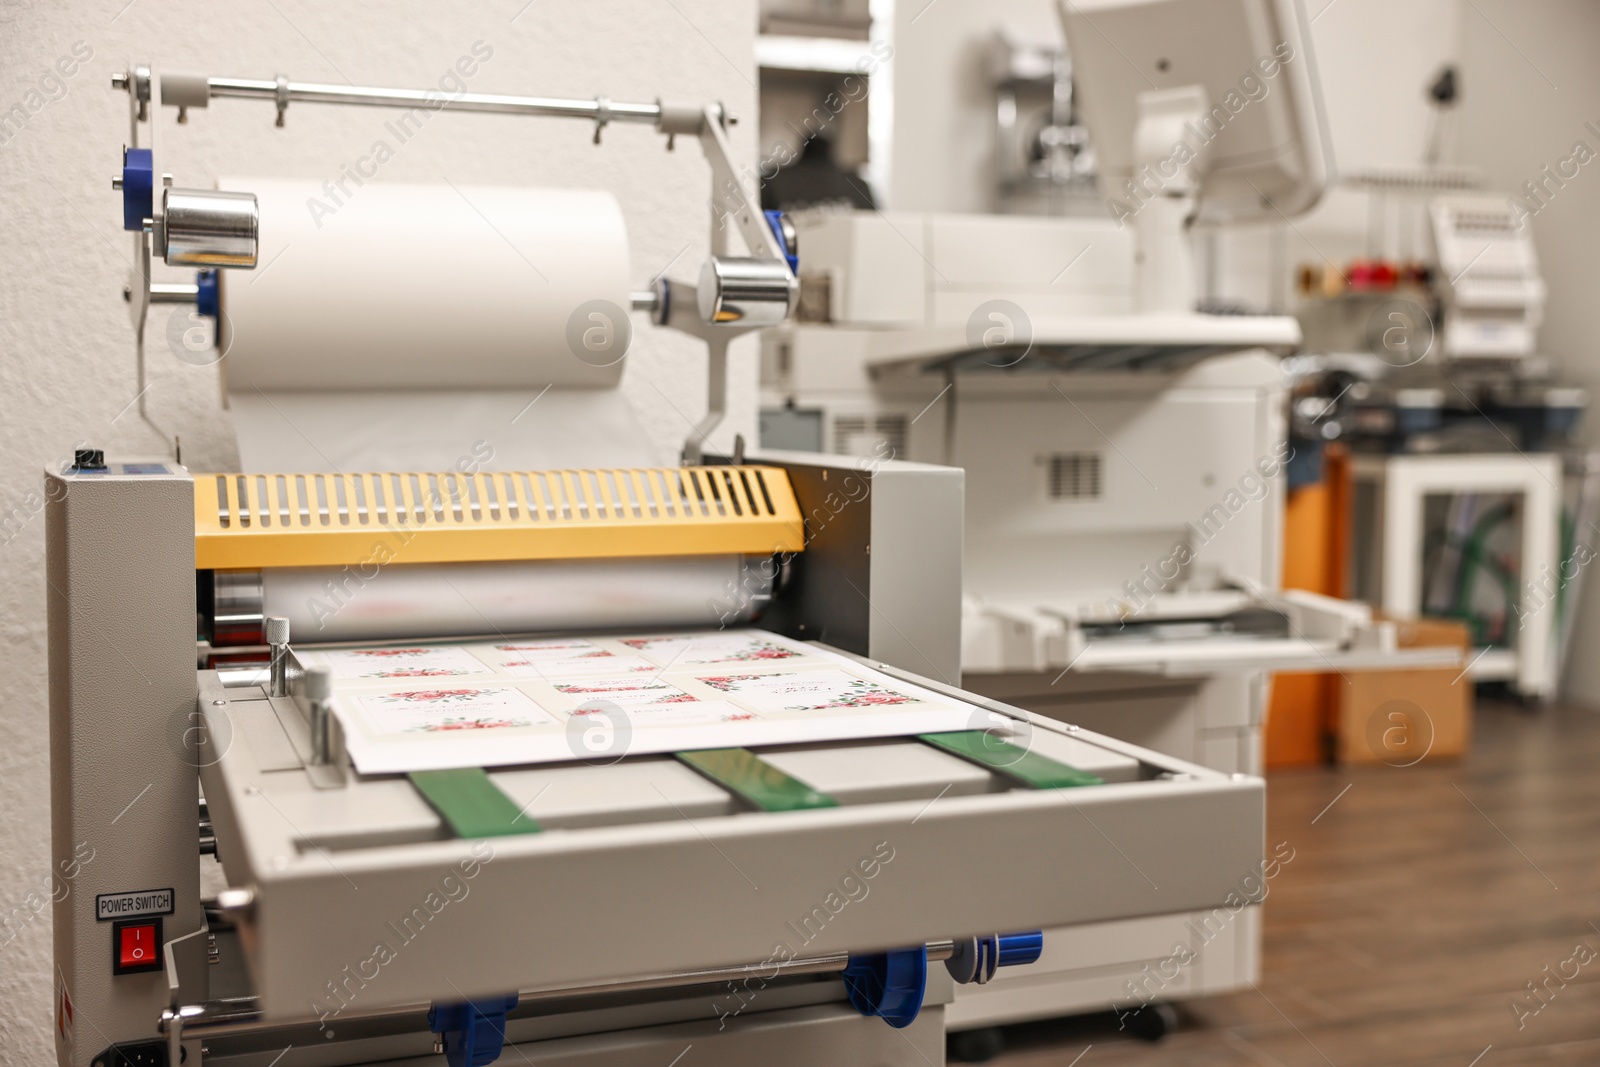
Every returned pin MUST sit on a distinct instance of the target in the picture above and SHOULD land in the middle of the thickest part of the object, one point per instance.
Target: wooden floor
(1419, 904)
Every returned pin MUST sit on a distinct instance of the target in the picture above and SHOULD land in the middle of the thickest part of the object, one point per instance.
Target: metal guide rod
(313, 93)
(241, 1015)
(705, 122)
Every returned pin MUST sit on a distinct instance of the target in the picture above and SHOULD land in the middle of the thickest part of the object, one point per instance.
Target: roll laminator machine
(774, 904)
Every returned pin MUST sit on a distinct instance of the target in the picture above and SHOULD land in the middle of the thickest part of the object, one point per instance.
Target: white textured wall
(66, 363)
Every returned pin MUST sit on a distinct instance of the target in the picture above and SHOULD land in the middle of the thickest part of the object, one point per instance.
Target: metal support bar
(172, 292)
(733, 197)
(491, 103)
(140, 310)
(716, 399)
(681, 303)
(241, 1015)
(173, 1034)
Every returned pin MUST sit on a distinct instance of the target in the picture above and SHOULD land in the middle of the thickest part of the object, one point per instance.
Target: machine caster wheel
(1151, 1022)
(975, 1046)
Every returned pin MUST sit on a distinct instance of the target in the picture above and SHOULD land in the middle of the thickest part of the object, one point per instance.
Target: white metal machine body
(1123, 512)
(655, 909)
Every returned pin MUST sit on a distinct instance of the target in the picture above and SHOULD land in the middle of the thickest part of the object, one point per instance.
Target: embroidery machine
(782, 904)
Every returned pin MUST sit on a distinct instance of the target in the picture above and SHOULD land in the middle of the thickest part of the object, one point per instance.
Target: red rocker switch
(136, 946)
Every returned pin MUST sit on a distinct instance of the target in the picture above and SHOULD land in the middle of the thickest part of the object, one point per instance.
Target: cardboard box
(1402, 717)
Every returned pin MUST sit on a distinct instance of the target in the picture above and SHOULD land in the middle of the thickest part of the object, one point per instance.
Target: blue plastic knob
(138, 188)
(1021, 948)
(206, 300)
(474, 1031)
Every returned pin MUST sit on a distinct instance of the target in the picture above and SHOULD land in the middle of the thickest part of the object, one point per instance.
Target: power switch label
(136, 905)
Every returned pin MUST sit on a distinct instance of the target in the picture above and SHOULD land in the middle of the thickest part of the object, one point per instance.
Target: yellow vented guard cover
(318, 520)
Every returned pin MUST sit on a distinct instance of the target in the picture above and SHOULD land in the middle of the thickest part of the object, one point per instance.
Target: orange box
(1402, 717)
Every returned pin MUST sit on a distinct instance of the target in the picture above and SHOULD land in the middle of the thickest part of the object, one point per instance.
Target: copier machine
(794, 904)
(1125, 442)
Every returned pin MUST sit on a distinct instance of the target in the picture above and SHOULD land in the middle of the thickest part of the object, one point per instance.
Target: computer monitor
(1200, 112)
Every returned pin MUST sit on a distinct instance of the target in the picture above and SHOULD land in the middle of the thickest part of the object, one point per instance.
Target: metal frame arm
(731, 196)
(676, 309)
(186, 91)
(740, 295)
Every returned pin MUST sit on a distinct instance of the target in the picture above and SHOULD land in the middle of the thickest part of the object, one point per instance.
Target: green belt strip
(471, 804)
(474, 806)
(1001, 756)
(747, 775)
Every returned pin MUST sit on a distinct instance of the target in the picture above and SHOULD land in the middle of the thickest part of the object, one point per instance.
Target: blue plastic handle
(1021, 948)
(889, 985)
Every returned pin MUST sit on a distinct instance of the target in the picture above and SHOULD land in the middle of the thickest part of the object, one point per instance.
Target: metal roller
(745, 291)
(208, 228)
(235, 608)
(415, 601)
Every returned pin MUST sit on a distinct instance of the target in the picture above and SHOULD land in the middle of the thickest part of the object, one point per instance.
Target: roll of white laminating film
(413, 287)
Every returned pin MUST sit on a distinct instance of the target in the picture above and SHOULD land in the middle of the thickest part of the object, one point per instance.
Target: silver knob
(327, 734)
(277, 628)
(319, 684)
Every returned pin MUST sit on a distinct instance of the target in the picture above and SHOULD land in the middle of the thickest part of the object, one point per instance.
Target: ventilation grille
(1075, 476)
(869, 435)
(450, 498)
(317, 519)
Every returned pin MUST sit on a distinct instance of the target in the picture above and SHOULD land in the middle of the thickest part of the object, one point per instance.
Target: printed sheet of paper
(426, 706)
